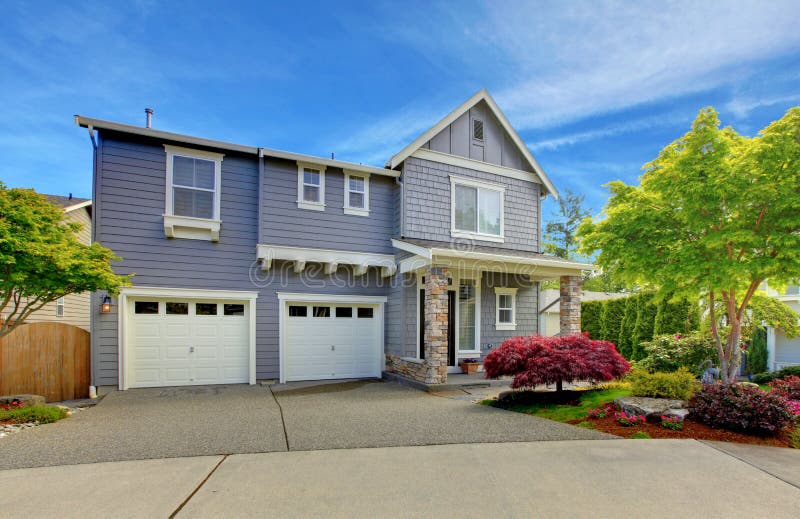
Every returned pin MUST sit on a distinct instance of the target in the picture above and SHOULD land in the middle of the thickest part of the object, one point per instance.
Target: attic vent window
(477, 129)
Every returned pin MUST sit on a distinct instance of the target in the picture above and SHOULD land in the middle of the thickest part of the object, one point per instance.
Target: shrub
(794, 408)
(670, 352)
(625, 338)
(640, 435)
(591, 315)
(535, 360)
(643, 327)
(629, 420)
(585, 425)
(764, 378)
(679, 385)
(757, 352)
(36, 413)
(611, 320)
(678, 317)
(672, 423)
(788, 387)
(740, 408)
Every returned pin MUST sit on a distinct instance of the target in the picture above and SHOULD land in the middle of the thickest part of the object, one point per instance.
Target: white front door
(332, 340)
(180, 342)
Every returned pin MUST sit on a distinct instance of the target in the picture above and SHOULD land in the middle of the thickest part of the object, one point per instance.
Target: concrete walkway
(201, 421)
(626, 478)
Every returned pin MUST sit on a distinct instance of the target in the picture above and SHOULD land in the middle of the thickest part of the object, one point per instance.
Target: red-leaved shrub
(535, 360)
(740, 408)
(787, 387)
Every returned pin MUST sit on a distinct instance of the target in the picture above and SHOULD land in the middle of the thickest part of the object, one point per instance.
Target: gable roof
(69, 203)
(481, 95)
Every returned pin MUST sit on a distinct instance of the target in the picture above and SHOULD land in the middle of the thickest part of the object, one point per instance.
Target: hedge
(630, 321)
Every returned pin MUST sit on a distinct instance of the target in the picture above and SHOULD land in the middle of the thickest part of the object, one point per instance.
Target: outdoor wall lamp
(105, 307)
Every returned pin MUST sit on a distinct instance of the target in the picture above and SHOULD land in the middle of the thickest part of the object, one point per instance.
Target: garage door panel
(186, 349)
(331, 347)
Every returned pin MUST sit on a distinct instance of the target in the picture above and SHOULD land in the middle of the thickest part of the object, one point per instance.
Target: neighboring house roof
(551, 296)
(69, 203)
(481, 95)
(99, 124)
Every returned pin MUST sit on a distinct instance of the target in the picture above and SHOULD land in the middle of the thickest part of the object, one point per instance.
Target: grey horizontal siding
(427, 204)
(131, 187)
(283, 223)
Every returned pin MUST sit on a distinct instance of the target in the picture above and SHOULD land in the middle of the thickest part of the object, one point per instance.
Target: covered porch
(467, 299)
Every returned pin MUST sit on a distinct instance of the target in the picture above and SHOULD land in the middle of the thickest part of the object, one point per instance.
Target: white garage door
(329, 341)
(177, 342)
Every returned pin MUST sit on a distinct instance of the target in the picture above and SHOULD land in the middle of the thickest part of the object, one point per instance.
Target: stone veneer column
(570, 304)
(436, 324)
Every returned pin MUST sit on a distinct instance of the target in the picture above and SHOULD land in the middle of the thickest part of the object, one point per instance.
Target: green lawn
(565, 413)
(36, 413)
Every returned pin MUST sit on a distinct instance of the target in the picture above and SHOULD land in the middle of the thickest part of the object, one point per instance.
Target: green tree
(643, 327)
(41, 258)
(613, 313)
(591, 318)
(625, 340)
(715, 214)
(559, 234)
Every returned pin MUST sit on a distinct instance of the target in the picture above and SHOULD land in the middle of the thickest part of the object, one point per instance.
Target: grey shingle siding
(527, 308)
(427, 204)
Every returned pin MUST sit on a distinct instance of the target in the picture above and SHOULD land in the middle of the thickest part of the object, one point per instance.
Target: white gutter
(100, 124)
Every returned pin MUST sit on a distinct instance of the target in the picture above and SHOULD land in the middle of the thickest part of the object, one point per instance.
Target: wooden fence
(48, 359)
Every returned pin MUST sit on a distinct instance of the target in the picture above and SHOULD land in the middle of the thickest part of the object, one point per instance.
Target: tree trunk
(559, 386)
(730, 373)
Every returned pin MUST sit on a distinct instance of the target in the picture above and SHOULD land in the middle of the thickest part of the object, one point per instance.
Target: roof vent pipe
(149, 114)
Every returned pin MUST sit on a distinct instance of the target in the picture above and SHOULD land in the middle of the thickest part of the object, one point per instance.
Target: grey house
(252, 263)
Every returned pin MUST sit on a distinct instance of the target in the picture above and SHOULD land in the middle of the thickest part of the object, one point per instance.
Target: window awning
(332, 259)
(478, 257)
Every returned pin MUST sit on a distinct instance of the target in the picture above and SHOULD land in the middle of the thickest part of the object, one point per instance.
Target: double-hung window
(310, 187)
(193, 193)
(477, 209)
(356, 193)
(60, 307)
(505, 308)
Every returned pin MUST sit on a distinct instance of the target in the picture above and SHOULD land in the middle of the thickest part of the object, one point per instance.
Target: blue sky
(594, 88)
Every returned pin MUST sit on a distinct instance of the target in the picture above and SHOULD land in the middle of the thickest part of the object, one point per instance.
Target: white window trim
(225, 296)
(60, 307)
(303, 204)
(356, 211)
(176, 226)
(457, 233)
(503, 291)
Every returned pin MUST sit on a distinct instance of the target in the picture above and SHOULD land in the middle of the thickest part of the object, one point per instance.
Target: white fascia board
(71, 208)
(330, 298)
(500, 258)
(413, 264)
(413, 249)
(189, 293)
(99, 124)
(280, 252)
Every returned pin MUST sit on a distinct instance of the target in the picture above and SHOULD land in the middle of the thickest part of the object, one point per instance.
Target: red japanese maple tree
(535, 360)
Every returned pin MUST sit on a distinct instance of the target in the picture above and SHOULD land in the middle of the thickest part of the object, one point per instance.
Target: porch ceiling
(493, 259)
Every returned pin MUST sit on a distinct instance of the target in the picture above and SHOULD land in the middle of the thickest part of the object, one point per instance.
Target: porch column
(436, 324)
(570, 305)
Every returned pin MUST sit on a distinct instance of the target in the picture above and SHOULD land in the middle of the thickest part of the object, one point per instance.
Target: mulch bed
(691, 430)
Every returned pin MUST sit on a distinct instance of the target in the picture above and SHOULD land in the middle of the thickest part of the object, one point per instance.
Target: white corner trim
(123, 315)
(413, 249)
(300, 297)
(268, 253)
(191, 228)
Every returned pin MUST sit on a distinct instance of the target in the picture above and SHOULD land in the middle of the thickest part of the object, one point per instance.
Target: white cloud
(742, 106)
(554, 63)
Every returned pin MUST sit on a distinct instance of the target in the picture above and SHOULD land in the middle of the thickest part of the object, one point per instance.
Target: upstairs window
(356, 193)
(193, 183)
(310, 187)
(477, 209)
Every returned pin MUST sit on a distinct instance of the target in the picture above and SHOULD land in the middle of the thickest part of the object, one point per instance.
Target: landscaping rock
(681, 414)
(652, 408)
(28, 400)
(749, 384)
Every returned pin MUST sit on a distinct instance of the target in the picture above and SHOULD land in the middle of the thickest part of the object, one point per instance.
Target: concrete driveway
(202, 421)
(626, 478)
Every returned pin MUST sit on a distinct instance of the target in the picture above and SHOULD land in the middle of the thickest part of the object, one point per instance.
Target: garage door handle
(191, 349)
(333, 348)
